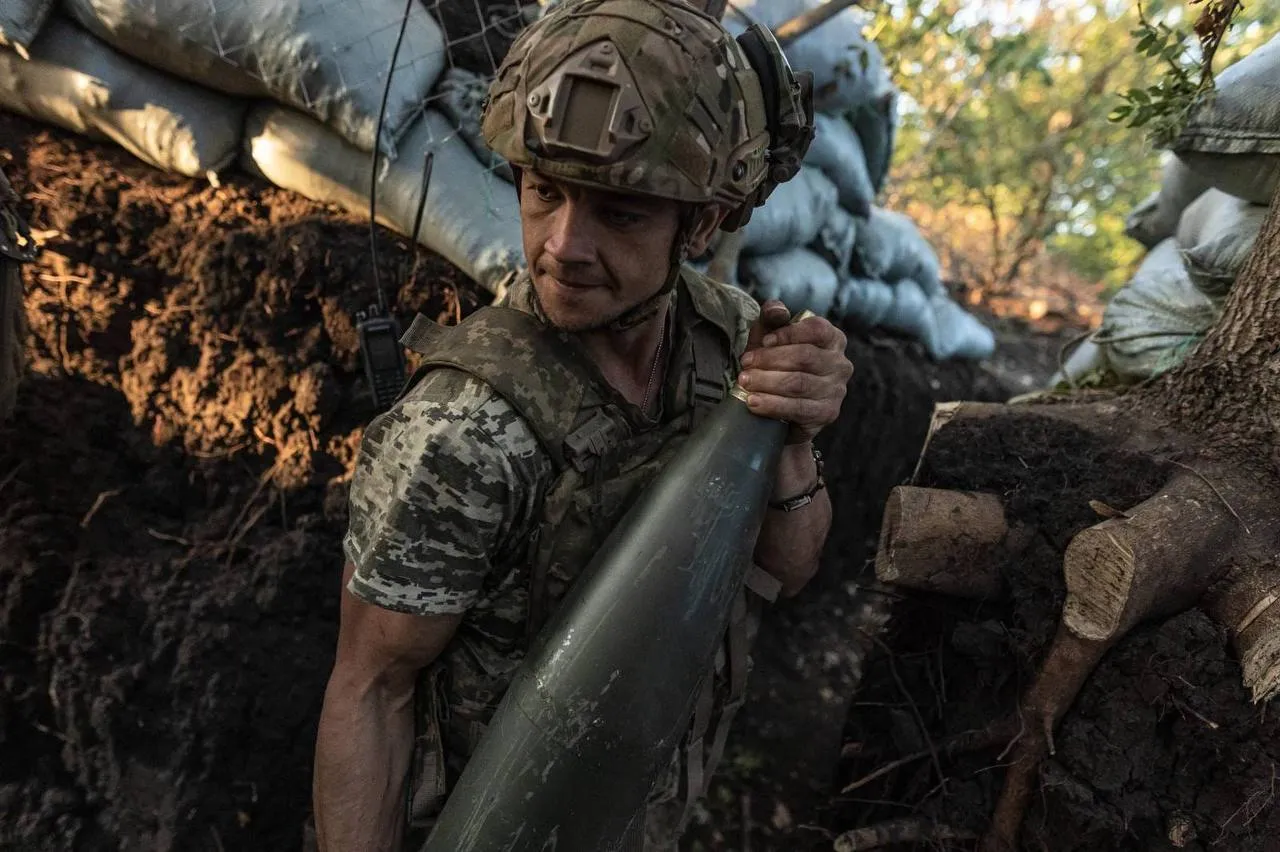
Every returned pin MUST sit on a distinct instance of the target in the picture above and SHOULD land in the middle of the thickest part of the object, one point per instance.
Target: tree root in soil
(893, 832)
(1209, 536)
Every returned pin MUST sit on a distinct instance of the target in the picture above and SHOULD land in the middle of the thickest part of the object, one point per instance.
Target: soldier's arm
(790, 543)
(440, 491)
(365, 739)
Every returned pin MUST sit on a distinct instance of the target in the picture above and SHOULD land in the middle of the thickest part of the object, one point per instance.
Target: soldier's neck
(629, 360)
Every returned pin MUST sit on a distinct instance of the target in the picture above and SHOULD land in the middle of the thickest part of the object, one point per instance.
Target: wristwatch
(799, 501)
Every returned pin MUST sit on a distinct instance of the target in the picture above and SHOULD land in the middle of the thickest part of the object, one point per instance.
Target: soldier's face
(593, 255)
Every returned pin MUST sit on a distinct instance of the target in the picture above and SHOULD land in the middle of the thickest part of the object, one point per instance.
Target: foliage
(1188, 71)
(1005, 113)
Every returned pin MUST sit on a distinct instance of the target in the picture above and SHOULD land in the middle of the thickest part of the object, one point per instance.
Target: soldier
(635, 129)
(16, 248)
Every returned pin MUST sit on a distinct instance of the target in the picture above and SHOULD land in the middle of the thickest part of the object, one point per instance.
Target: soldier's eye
(545, 192)
(620, 218)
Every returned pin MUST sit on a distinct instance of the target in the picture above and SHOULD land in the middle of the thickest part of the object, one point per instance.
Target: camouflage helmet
(651, 97)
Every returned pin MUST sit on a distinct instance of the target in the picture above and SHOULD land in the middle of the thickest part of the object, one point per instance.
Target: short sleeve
(442, 490)
(748, 310)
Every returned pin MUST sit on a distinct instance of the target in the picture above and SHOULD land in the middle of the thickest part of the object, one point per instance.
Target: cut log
(1247, 604)
(1158, 560)
(942, 541)
(1070, 661)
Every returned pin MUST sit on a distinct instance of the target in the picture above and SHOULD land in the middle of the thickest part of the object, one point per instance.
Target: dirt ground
(1162, 750)
(172, 501)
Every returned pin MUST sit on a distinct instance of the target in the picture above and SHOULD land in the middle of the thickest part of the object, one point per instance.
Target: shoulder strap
(534, 368)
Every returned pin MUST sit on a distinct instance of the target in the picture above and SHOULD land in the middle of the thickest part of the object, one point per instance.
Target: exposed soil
(1162, 750)
(172, 501)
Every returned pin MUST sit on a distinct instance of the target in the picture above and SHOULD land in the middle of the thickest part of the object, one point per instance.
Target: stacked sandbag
(848, 70)
(460, 95)
(1216, 236)
(1155, 321)
(1203, 224)
(77, 82)
(820, 243)
(469, 219)
(891, 248)
(793, 215)
(1232, 137)
(1156, 218)
(21, 21)
(837, 151)
(326, 58)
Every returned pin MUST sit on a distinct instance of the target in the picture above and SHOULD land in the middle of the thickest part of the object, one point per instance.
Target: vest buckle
(592, 440)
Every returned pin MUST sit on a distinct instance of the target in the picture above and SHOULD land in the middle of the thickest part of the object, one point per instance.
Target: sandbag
(21, 21)
(1156, 218)
(1232, 137)
(326, 58)
(77, 82)
(1088, 358)
(911, 313)
(863, 300)
(799, 278)
(837, 150)
(792, 216)
(471, 219)
(460, 95)
(1153, 323)
(876, 123)
(959, 333)
(890, 247)
(847, 69)
(835, 239)
(1216, 235)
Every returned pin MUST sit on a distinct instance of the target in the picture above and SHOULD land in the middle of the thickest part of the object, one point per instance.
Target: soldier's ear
(705, 225)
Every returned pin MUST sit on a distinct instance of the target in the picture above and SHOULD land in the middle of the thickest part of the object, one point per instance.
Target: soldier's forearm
(362, 755)
(790, 543)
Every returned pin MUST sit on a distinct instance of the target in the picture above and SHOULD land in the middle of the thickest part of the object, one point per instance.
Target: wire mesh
(330, 59)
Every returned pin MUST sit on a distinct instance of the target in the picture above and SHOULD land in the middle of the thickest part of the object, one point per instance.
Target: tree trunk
(1206, 533)
(1228, 390)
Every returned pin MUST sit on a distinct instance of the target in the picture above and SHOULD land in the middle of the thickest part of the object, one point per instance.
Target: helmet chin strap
(645, 311)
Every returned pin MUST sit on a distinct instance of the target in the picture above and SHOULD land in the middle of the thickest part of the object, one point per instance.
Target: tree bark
(1228, 389)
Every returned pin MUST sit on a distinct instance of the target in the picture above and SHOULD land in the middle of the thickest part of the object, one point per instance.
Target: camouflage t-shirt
(447, 488)
(446, 496)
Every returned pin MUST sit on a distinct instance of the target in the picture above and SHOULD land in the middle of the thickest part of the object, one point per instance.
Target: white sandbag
(876, 123)
(912, 314)
(326, 58)
(1156, 218)
(1155, 321)
(460, 95)
(1086, 359)
(837, 150)
(959, 333)
(799, 278)
(471, 219)
(78, 83)
(835, 239)
(792, 216)
(21, 21)
(847, 69)
(890, 247)
(1232, 137)
(863, 300)
(1216, 235)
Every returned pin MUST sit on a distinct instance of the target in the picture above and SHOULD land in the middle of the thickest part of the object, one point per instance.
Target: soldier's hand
(795, 372)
